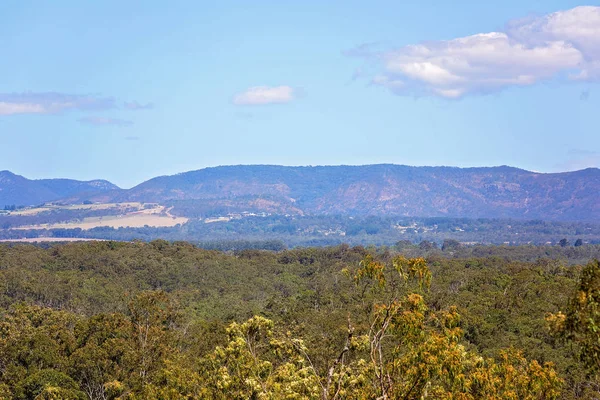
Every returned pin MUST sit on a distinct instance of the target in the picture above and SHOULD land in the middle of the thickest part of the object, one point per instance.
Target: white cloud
(104, 121)
(134, 105)
(392, 84)
(579, 26)
(561, 45)
(51, 103)
(7, 108)
(260, 95)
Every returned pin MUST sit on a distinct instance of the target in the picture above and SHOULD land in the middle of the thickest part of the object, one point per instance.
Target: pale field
(50, 239)
(157, 216)
(102, 206)
(127, 221)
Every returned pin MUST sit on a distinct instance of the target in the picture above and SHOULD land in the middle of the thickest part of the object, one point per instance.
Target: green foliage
(48, 384)
(581, 324)
(167, 320)
(277, 232)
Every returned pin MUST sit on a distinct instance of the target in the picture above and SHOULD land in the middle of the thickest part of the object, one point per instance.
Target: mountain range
(382, 189)
(20, 191)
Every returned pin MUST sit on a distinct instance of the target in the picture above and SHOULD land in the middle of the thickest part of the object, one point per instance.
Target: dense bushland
(168, 320)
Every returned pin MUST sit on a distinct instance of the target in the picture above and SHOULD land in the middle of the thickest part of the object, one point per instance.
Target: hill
(20, 191)
(380, 190)
(495, 192)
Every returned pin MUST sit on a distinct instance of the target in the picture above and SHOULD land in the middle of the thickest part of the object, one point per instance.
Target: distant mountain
(496, 192)
(384, 189)
(20, 191)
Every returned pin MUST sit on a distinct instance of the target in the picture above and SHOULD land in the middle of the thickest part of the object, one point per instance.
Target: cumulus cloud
(104, 121)
(134, 105)
(51, 103)
(561, 45)
(260, 95)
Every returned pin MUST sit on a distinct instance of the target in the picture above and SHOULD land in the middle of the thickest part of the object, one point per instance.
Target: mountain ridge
(376, 189)
(18, 190)
(380, 189)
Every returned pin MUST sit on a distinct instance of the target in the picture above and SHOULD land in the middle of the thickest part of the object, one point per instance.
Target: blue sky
(130, 90)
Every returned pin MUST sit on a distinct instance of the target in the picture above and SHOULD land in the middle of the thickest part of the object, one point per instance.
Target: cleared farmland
(119, 215)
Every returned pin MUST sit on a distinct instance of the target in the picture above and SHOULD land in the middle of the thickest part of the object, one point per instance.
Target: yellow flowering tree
(407, 352)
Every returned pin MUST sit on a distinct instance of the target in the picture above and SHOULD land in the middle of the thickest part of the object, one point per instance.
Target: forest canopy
(167, 320)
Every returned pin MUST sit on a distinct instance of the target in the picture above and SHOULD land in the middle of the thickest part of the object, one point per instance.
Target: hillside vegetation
(498, 192)
(380, 190)
(161, 320)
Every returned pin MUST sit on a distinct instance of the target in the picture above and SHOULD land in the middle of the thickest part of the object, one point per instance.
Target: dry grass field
(99, 206)
(153, 215)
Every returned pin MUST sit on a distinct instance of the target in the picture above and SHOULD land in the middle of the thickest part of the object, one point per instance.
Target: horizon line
(306, 166)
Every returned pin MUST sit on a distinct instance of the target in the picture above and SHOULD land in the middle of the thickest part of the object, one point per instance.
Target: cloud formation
(134, 105)
(261, 95)
(561, 45)
(104, 121)
(51, 103)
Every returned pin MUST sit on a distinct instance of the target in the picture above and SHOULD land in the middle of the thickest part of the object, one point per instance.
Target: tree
(403, 245)
(153, 319)
(48, 384)
(581, 323)
(103, 353)
(258, 362)
(450, 245)
(578, 243)
(415, 352)
(426, 245)
(406, 352)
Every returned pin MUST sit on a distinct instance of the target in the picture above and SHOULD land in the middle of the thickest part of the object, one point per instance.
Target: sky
(129, 90)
